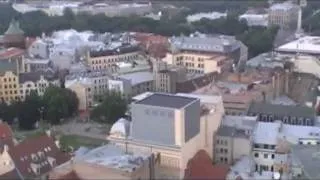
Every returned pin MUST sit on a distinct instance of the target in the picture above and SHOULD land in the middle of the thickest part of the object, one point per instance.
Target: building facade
(107, 59)
(284, 15)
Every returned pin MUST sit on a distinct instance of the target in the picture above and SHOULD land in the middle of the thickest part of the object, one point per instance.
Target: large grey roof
(281, 110)
(166, 100)
(307, 157)
(221, 44)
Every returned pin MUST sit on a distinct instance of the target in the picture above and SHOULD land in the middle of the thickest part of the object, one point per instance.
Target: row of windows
(265, 146)
(264, 168)
(119, 59)
(222, 150)
(266, 156)
(9, 79)
(222, 142)
(158, 113)
(180, 58)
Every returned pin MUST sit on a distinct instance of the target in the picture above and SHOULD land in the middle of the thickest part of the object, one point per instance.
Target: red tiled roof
(201, 167)
(5, 131)
(11, 52)
(70, 175)
(41, 148)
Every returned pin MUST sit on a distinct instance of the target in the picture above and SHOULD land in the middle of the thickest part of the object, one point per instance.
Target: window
(265, 156)
(256, 155)
(272, 168)
(226, 160)
(272, 156)
(221, 150)
(265, 146)
(221, 159)
(217, 141)
(226, 151)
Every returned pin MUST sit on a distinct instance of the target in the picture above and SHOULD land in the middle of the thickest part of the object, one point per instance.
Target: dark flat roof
(166, 100)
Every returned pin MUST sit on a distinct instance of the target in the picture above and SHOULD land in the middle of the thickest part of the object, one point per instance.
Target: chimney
(286, 89)
(274, 86)
(278, 89)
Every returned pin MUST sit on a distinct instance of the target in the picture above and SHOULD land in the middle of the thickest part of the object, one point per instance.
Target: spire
(14, 28)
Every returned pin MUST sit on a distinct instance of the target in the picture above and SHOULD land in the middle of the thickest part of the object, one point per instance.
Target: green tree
(113, 107)
(59, 103)
(7, 112)
(29, 111)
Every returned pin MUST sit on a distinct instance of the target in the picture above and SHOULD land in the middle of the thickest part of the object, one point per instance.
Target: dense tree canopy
(59, 103)
(112, 107)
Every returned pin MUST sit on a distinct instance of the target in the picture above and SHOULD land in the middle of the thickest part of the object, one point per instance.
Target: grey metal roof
(308, 158)
(166, 100)
(228, 131)
(281, 110)
(221, 44)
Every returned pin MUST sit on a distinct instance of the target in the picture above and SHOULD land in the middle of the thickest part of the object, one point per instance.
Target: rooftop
(269, 60)
(36, 76)
(220, 44)
(308, 158)
(306, 44)
(266, 133)
(228, 131)
(281, 110)
(283, 6)
(166, 100)
(138, 77)
(283, 100)
(241, 122)
(114, 157)
(37, 152)
(11, 52)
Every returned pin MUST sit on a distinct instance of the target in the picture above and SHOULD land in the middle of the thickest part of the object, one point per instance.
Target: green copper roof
(14, 28)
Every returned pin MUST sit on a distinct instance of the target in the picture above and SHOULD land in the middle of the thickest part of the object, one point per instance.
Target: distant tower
(301, 4)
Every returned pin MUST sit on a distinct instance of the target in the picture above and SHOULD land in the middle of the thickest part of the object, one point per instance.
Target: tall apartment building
(167, 76)
(284, 15)
(206, 54)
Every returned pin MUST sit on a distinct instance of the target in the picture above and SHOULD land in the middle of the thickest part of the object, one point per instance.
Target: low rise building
(84, 92)
(108, 59)
(201, 53)
(132, 84)
(109, 162)
(227, 139)
(36, 81)
(32, 158)
(98, 80)
(307, 45)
